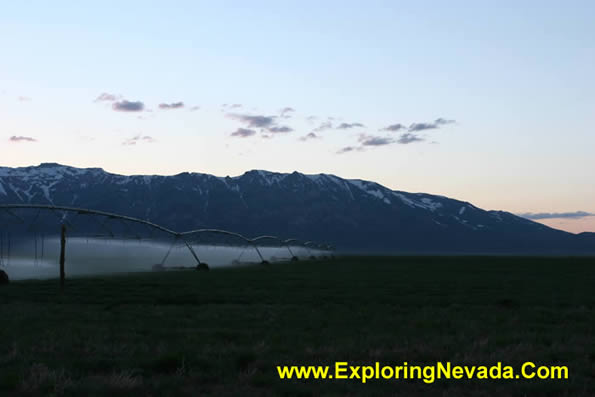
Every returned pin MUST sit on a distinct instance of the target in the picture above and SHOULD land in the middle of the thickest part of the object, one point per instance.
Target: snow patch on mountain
(430, 204)
(496, 214)
(371, 189)
(15, 191)
(406, 200)
(269, 178)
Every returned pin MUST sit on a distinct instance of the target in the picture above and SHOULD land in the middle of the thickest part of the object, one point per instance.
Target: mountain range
(354, 215)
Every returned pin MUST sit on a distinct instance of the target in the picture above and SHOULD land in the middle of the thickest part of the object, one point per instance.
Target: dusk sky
(487, 102)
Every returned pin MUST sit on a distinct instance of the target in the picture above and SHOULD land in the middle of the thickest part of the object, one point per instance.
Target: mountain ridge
(353, 214)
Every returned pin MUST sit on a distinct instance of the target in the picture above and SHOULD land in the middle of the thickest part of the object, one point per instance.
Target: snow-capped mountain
(353, 215)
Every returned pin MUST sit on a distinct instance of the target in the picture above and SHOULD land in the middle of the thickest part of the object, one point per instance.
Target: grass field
(224, 332)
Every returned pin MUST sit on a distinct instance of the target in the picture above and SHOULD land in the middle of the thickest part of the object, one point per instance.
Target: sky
(487, 102)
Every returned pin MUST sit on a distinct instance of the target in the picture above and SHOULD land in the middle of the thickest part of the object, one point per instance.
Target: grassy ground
(224, 332)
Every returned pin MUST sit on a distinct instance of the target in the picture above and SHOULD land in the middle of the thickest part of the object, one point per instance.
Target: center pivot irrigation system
(29, 219)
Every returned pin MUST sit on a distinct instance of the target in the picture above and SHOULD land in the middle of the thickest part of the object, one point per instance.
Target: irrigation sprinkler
(62, 255)
(126, 223)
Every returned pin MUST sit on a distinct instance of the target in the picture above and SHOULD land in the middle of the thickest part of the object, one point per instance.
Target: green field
(224, 332)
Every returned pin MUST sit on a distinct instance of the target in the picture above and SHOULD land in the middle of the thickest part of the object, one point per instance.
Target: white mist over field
(96, 256)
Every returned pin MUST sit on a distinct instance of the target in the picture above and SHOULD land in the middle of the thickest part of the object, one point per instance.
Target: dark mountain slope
(354, 215)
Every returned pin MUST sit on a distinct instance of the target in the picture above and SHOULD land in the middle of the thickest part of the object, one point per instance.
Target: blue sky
(515, 79)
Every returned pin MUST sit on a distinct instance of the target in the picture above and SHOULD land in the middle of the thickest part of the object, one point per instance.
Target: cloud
(348, 149)
(285, 112)
(24, 99)
(325, 125)
(254, 121)
(371, 140)
(243, 133)
(174, 105)
(15, 138)
(280, 129)
(266, 124)
(105, 97)
(230, 106)
(394, 128)
(345, 126)
(309, 136)
(138, 139)
(416, 127)
(404, 139)
(557, 215)
(366, 140)
(128, 106)
(442, 121)
(194, 108)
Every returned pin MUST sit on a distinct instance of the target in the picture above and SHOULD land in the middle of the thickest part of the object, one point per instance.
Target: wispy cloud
(372, 140)
(24, 98)
(194, 108)
(138, 139)
(309, 136)
(556, 215)
(106, 97)
(251, 121)
(366, 140)
(286, 112)
(268, 125)
(346, 126)
(243, 133)
(442, 121)
(417, 127)
(348, 149)
(15, 138)
(394, 128)
(280, 129)
(174, 105)
(405, 139)
(325, 125)
(231, 106)
(128, 106)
